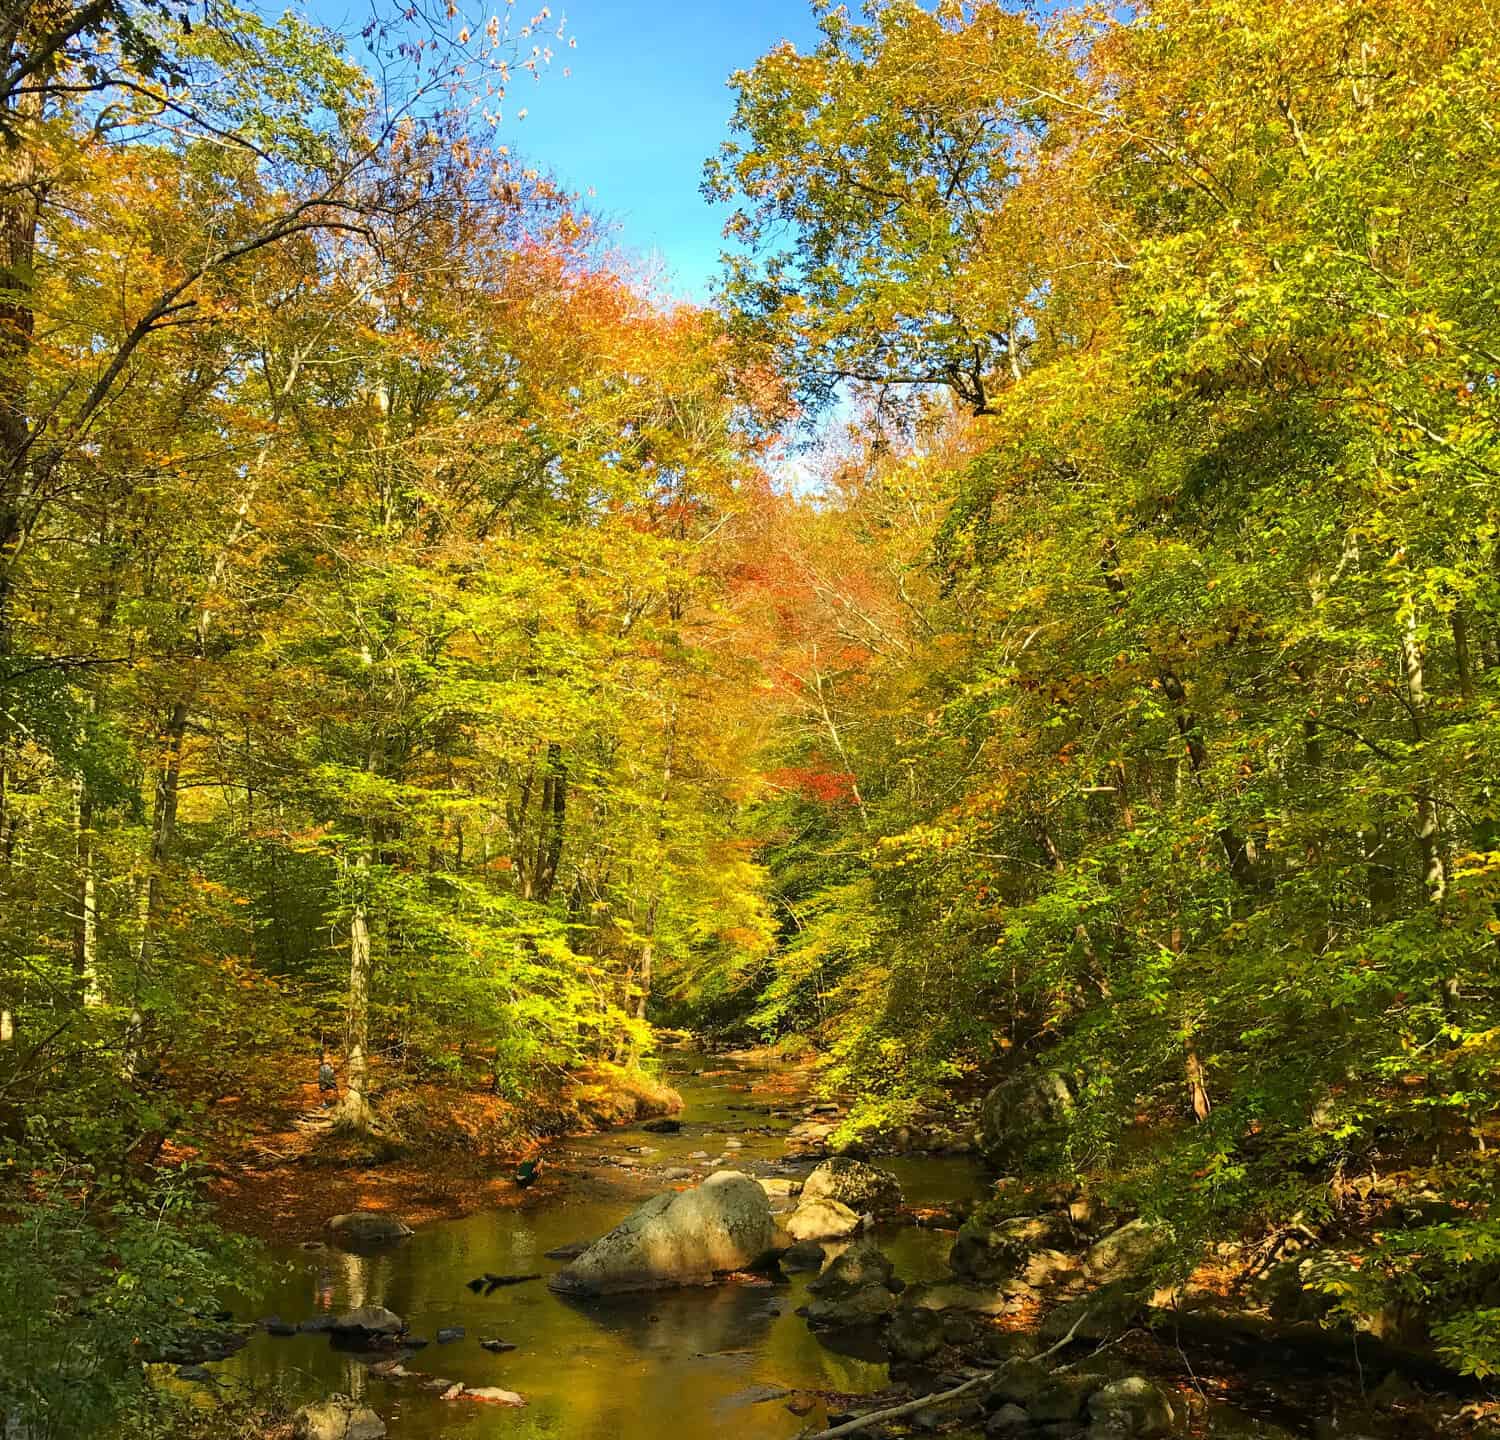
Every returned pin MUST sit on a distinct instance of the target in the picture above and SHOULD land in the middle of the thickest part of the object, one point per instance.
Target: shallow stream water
(682, 1364)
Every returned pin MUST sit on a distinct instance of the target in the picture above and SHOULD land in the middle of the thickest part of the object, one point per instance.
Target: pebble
(450, 1333)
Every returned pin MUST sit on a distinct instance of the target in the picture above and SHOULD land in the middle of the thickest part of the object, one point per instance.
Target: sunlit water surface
(685, 1364)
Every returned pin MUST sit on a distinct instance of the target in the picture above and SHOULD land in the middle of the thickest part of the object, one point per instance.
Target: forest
(1024, 658)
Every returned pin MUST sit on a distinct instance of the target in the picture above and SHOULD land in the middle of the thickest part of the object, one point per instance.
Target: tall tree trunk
(86, 899)
(1428, 821)
(355, 1111)
(1429, 828)
(552, 816)
(1462, 656)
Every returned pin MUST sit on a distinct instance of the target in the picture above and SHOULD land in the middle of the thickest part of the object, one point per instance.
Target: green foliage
(1173, 724)
(91, 1295)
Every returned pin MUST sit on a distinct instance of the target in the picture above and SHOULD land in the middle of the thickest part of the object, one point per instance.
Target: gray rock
(1027, 1110)
(979, 1299)
(1050, 1267)
(1104, 1315)
(778, 1187)
(804, 1255)
(367, 1227)
(196, 1374)
(1062, 1397)
(337, 1418)
(868, 1305)
(369, 1320)
(852, 1269)
(275, 1325)
(489, 1394)
(1130, 1407)
(915, 1335)
(820, 1220)
(1007, 1420)
(571, 1251)
(1127, 1253)
(317, 1324)
(678, 1239)
(449, 1333)
(1019, 1382)
(1002, 1249)
(853, 1183)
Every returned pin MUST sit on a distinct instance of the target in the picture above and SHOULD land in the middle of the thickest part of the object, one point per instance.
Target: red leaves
(826, 787)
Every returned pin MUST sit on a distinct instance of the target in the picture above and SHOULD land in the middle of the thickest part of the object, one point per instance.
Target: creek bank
(927, 1335)
(445, 1153)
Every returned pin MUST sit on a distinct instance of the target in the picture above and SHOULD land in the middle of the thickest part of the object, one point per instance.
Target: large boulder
(1025, 1111)
(367, 1227)
(1126, 1254)
(1128, 1408)
(821, 1220)
(853, 1183)
(373, 1322)
(337, 1418)
(675, 1239)
(1001, 1249)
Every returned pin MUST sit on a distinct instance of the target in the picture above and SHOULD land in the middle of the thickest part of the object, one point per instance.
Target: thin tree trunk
(1434, 867)
(86, 898)
(355, 1111)
(1461, 654)
(1429, 829)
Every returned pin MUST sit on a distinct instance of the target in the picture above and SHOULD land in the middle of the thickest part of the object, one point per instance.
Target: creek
(685, 1364)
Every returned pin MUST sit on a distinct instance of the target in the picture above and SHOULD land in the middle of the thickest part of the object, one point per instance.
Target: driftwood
(942, 1397)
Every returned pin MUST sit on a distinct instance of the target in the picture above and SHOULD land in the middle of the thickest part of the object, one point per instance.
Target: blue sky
(646, 104)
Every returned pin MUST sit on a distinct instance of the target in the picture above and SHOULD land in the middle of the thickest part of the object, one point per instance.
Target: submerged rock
(490, 1395)
(337, 1418)
(868, 1305)
(367, 1227)
(853, 1183)
(674, 1239)
(370, 1321)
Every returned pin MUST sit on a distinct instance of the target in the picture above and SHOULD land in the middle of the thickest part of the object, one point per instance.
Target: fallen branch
(910, 1407)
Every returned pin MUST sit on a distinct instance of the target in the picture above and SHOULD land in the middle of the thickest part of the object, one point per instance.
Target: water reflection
(700, 1360)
